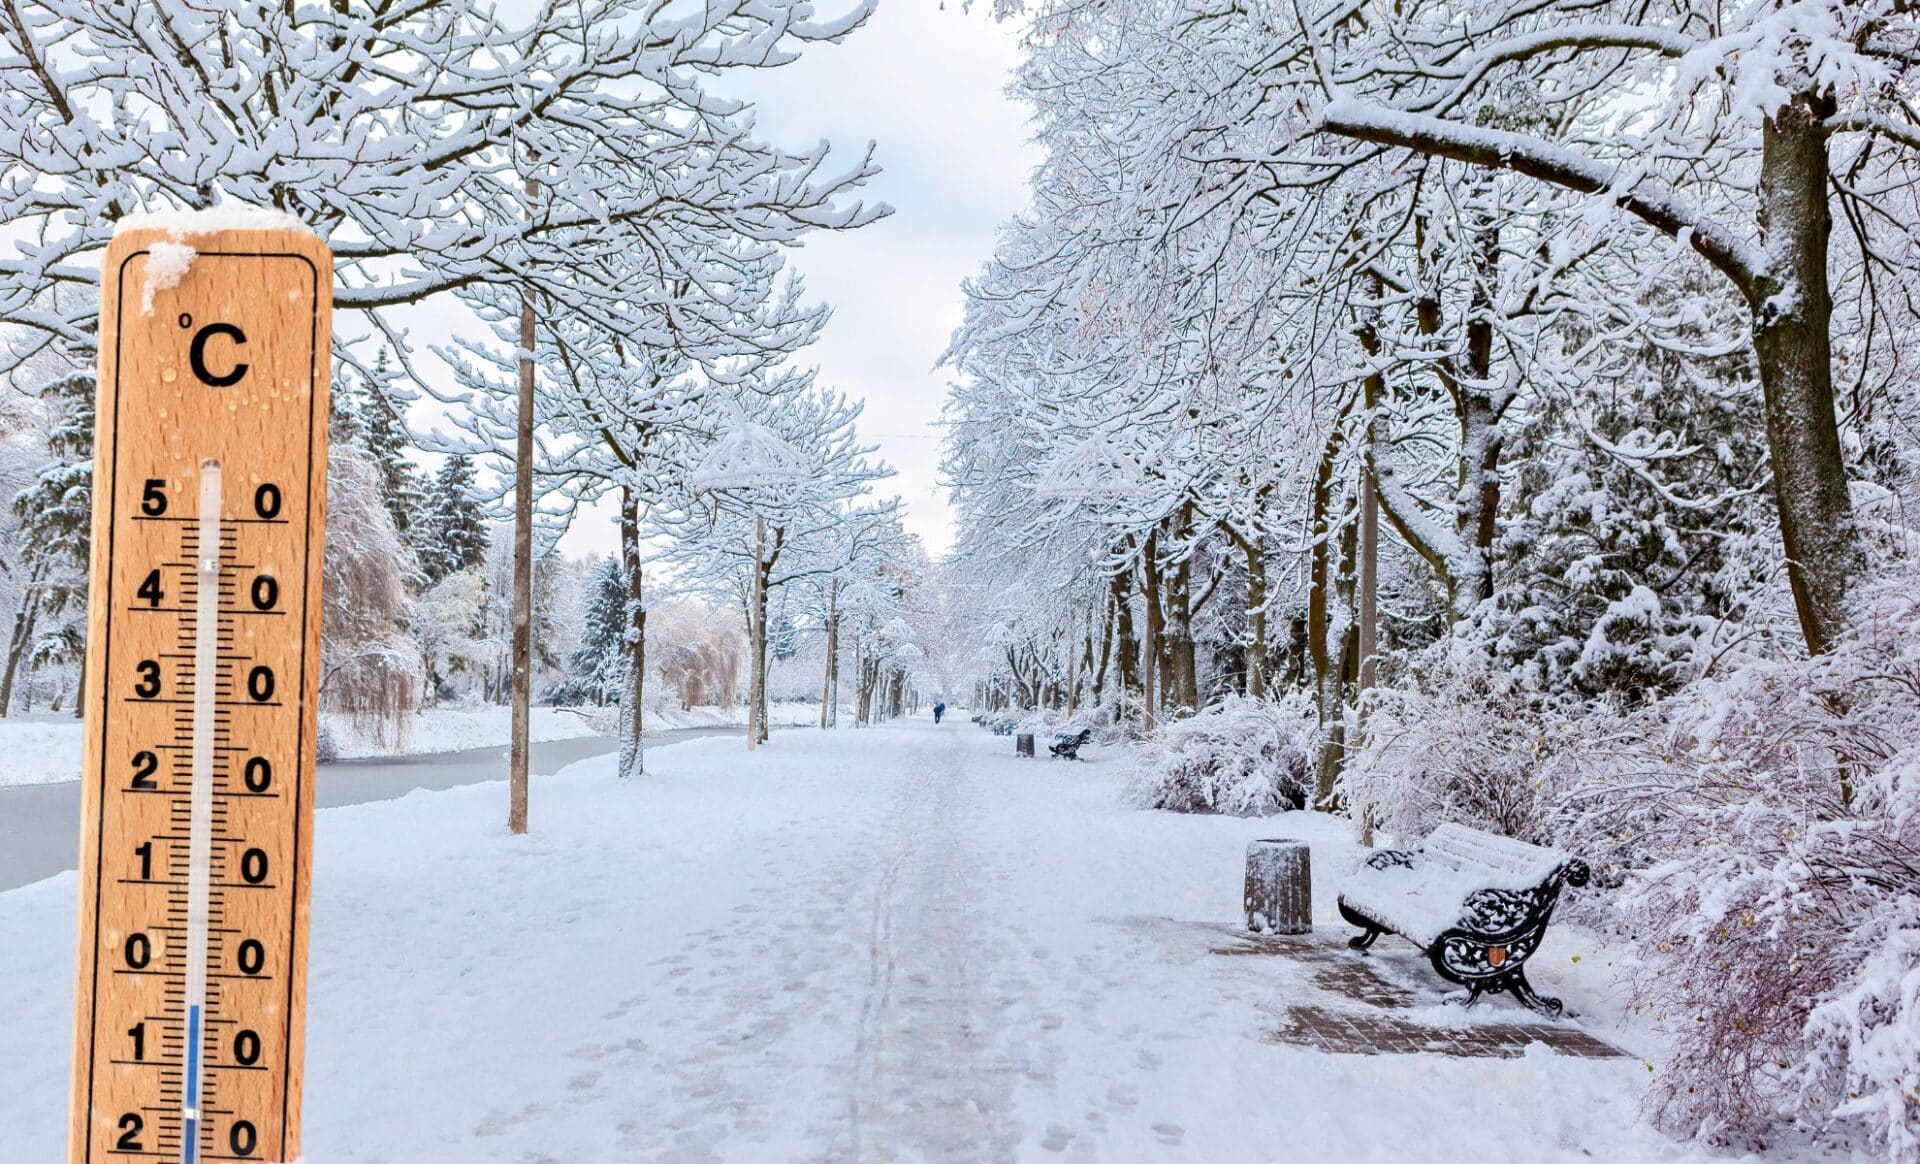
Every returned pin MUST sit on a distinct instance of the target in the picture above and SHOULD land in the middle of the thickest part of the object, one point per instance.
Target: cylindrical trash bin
(1023, 744)
(1279, 887)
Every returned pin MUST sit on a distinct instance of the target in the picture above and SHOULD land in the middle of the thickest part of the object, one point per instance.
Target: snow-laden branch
(1545, 161)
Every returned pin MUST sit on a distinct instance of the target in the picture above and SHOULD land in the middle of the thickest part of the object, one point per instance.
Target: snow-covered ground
(39, 750)
(901, 943)
(455, 729)
(46, 750)
(791, 714)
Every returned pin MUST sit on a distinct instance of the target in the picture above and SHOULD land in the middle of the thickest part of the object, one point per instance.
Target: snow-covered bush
(1780, 916)
(1472, 749)
(1243, 757)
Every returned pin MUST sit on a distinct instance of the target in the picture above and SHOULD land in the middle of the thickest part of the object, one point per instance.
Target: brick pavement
(1354, 1004)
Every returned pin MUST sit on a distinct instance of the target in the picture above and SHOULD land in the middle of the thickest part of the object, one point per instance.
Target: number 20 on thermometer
(202, 676)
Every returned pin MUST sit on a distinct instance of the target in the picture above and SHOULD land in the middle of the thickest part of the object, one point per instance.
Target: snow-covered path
(894, 944)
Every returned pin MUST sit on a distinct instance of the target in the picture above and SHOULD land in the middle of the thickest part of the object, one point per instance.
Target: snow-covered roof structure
(1092, 470)
(750, 456)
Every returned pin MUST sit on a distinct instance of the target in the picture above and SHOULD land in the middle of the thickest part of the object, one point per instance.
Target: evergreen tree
(597, 672)
(456, 528)
(783, 635)
(56, 514)
(385, 439)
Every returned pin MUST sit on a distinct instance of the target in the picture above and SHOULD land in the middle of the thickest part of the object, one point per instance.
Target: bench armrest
(1502, 913)
(1390, 858)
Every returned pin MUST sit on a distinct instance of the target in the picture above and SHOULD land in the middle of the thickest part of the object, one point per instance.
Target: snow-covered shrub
(1012, 719)
(326, 744)
(1471, 749)
(1243, 757)
(1780, 913)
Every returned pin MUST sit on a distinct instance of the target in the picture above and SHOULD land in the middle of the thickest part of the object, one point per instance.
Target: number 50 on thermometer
(201, 682)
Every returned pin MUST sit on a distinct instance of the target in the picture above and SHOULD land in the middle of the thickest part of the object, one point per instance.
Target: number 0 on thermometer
(202, 677)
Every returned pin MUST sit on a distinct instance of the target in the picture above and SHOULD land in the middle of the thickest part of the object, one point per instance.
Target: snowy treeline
(1526, 387)
(574, 179)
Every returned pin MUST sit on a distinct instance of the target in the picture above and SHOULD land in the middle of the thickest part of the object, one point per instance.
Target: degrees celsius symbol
(202, 679)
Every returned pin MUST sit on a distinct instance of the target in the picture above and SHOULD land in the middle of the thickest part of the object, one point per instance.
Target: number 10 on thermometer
(202, 678)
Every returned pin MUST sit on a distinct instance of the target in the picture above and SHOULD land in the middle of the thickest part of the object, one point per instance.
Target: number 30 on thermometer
(202, 676)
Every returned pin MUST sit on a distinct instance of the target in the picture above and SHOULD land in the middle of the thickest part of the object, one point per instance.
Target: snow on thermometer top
(203, 639)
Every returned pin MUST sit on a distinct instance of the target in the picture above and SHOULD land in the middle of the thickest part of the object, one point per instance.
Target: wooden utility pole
(522, 560)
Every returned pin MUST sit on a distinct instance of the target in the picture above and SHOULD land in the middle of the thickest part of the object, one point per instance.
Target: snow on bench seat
(1421, 898)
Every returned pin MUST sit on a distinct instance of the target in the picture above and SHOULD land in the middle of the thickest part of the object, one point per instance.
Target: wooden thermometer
(203, 645)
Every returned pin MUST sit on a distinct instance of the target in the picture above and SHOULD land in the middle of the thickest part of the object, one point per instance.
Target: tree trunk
(1320, 575)
(1333, 693)
(1106, 653)
(833, 654)
(25, 617)
(1481, 406)
(859, 662)
(1256, 648)
(1126, 644)
(1477, 406)
(1368, 596)
(1150, 652)
(1182, 670)
(1792, 317)
(1369, 608)
(633, 699)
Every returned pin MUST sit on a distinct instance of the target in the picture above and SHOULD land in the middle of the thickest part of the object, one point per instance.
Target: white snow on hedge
(39, 751)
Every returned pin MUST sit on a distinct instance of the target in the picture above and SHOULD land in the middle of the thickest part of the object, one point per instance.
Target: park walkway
(893, 944)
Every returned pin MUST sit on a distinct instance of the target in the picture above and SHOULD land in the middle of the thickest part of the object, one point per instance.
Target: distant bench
(1477, 903)
(1068, 747)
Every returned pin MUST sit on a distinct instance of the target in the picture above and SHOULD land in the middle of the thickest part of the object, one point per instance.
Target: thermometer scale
(202, 681)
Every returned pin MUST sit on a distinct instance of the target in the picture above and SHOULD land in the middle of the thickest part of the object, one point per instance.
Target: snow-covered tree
(454, 534)
(384, 435)
(597, 670)
(370, 666)
(54, 532)
(448, 620)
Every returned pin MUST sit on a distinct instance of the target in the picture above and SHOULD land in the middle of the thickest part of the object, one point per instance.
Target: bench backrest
(1509, 864)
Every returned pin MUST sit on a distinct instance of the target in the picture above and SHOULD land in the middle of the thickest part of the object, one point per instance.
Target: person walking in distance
(939, 709)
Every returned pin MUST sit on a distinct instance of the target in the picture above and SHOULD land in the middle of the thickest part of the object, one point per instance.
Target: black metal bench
(1068, 747)
(1477, 903)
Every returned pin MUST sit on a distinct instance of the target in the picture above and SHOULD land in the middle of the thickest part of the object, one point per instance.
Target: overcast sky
(926, 84)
